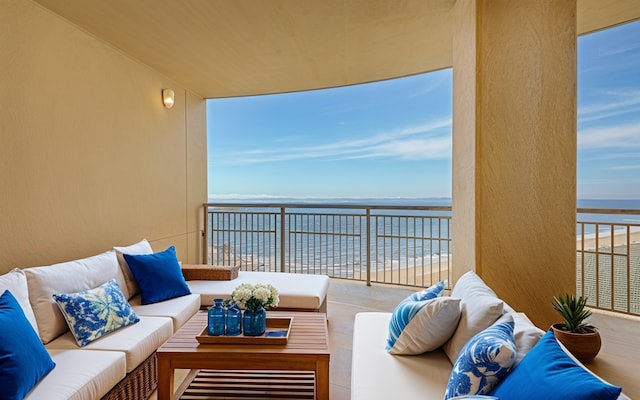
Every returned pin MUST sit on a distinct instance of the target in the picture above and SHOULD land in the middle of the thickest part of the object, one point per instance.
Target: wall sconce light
(168, 97)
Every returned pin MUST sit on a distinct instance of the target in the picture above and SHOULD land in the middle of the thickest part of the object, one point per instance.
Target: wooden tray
(277, 332)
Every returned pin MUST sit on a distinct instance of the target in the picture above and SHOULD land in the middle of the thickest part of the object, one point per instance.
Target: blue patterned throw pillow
(483, 361)
(93, 313)
(423, 321)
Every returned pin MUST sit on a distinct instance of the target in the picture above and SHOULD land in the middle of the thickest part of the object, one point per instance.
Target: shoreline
(604, 239)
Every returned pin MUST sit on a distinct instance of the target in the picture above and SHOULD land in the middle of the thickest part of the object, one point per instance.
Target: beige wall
(514, 171)
(89, 157)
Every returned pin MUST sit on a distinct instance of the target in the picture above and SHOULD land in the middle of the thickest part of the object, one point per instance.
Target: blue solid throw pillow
(23, 359)
(547, 372)
(158, 275)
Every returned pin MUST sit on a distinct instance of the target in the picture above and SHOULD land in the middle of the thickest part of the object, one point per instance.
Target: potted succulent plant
(580, 338)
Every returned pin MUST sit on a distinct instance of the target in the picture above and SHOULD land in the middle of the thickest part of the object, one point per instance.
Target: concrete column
(514, 149)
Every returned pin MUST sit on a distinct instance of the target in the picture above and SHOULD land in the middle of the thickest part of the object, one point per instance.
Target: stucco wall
(89, 157)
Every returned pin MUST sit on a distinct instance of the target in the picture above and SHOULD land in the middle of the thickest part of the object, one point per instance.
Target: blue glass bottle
(254, 321)
(216, 318)
(234, 320)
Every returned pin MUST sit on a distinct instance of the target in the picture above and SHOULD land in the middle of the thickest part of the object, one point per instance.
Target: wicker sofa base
(138, 384)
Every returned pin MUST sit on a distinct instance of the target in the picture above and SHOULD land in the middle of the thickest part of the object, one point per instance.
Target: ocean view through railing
(406, 245)
(608, 259)
(403, 245)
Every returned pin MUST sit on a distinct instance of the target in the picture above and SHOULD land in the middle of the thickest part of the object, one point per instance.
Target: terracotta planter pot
(584, 346)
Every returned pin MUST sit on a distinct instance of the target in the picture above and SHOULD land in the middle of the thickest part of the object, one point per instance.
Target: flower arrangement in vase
(254, 299)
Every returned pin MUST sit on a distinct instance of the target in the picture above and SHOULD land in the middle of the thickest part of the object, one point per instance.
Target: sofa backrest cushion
(23, 359)
(16, 281)
(526, 335)
(158, 275)
(142, 247)
(548, 372)
(93, 313)
(480, 308)
(67, 277)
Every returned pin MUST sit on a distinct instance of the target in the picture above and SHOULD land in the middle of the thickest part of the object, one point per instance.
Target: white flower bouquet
(251, 297)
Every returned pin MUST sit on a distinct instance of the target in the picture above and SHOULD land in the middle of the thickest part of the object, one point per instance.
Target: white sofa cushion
(137, 341)
(294, 290)
(67, 277)
(80, 375)
(480, 308)
(376, 374)
(15, 281)
(142, 247)
(179, 309)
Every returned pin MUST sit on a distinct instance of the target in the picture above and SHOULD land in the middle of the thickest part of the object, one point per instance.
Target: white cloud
(624, 167)
(622, 103)
(622, 136)
(430, 140)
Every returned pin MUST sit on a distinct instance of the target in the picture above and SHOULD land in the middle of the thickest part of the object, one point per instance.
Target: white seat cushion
(376, 374)
(137, 341)
(300, 291)
(80, 375)
(179, 309)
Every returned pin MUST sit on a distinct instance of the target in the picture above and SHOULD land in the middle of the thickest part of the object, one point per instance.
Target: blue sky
(393, 138)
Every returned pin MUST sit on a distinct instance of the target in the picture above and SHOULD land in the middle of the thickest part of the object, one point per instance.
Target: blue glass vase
(234, 320)
(254, 321)
(216, 318)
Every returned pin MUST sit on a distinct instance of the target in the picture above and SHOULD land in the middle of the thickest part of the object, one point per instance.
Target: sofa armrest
(204, 272)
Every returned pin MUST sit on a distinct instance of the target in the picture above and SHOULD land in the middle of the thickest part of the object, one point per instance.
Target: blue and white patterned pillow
(483, 361)
(423, 321)
(93, 313)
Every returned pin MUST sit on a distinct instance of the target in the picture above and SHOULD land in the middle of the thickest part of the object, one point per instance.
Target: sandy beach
(604, 239)
(420, 275)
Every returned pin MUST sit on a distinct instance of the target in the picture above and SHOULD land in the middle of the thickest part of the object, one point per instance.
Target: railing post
(282, 239)
(368, 246)
(205, 236)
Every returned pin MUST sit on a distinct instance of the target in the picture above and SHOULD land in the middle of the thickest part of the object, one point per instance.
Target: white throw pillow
(15, 281)
(480, 308)
(67, 277)
(142, 247)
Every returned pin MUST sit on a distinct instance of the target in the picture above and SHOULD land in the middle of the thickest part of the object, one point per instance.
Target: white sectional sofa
(378, 374)
(121, 364)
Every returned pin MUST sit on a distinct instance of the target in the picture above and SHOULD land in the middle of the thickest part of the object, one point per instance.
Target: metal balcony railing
(406, 245)
(608, 259)
(403, 245)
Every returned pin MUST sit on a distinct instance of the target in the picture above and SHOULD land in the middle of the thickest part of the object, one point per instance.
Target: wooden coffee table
(306, 350)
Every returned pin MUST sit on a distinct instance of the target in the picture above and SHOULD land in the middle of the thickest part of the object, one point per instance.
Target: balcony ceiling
(219, 48)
